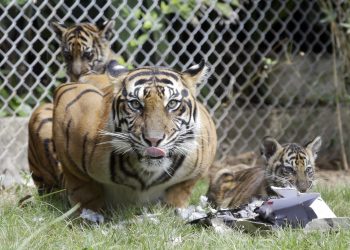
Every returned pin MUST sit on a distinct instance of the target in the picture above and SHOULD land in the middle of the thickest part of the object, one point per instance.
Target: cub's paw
(92, 216)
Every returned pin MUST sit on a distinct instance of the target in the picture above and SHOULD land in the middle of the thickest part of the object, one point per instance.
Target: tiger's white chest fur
(116, 195)
(143, 187)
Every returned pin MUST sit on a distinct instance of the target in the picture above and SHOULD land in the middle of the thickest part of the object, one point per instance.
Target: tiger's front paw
(92, 216)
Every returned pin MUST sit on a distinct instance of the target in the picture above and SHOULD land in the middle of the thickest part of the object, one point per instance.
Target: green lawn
(32, 227)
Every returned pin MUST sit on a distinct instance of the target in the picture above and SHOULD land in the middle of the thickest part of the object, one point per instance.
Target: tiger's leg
(223, 183)
(85, 191)
(179, 194)
(43, 165)
(78, 110)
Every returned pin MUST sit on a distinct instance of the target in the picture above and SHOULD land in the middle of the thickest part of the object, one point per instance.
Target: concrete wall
(13, 150)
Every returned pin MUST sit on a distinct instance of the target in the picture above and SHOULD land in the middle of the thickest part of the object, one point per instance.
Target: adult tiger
(45, 169)
(144, 138)
(85, 47)
(43, 164)
(287, 165)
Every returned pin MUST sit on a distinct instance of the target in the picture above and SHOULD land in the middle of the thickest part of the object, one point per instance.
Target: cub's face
(84, 46)
(290, 165)
(156, 112)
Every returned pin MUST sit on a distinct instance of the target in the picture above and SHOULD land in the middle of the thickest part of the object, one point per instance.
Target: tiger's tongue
(155, 152)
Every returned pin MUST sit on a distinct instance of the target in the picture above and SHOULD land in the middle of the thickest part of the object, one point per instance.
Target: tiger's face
(290, 165)
(85, 47)
(155, 113)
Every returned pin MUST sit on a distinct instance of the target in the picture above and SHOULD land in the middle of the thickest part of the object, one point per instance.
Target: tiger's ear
(195, 75)
(269, 147)
(116, 74)
(59, 28)
(314, 146)
(106, 29)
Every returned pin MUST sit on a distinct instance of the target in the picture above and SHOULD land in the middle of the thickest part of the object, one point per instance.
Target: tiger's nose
(77, 67)
(303, 186)
(153, 141)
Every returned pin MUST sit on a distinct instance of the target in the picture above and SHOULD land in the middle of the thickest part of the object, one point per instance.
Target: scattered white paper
(286, 191)
(321, 209)
(292, 197)
(92, 216)
(176, 241)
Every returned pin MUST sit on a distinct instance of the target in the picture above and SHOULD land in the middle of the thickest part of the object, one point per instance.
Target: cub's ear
(58, 28)
(116, 73)
(195, 75)
(314, 146)
(106, 29)
(269, 147)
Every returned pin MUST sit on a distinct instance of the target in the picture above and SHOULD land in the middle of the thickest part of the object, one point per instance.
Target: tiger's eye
(67, 55)
(173, 104)
(288, 169)
(135, 104)
(88, 55)
(309, 170)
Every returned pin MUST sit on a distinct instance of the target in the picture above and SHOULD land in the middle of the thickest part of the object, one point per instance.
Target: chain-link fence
(271, 65)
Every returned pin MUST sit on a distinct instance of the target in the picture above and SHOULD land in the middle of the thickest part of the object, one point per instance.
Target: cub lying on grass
(288, 165)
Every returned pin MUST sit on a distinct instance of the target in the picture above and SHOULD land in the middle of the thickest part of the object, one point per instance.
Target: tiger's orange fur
(45, 169)
(106, 147)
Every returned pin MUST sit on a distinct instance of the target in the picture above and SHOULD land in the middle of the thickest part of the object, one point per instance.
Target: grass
(17, 224)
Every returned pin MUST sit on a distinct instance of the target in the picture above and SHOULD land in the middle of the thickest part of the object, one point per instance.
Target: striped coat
(142, 139)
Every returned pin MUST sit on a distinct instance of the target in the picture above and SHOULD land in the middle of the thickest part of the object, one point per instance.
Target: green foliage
(19, 106)
(149, 25)
(124, 63)
(7, 2)
(186, 8)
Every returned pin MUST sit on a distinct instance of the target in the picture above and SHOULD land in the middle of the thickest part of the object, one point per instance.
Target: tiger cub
(143, 139)
(288, 165)
(85, 47)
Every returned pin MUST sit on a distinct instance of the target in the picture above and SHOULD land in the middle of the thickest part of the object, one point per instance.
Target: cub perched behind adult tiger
(288, 165)
(86, 51)
(85, 47)
(143, 139)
